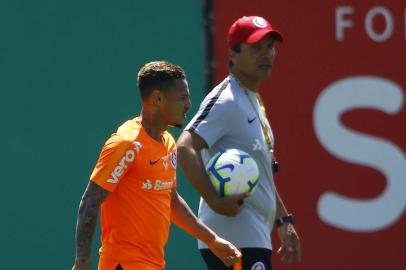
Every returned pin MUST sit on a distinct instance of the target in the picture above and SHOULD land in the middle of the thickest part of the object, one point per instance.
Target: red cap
(250, 29)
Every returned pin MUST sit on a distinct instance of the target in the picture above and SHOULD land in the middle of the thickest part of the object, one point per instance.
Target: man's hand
(290, 249)
(225, 251)
(228, 206)
(82, 264)
(184, 218)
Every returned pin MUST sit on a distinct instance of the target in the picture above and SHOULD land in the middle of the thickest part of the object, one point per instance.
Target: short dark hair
(237, 49)
(157, 75)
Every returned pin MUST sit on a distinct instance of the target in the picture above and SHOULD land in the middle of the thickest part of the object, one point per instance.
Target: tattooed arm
(184, 218)
(89, 206)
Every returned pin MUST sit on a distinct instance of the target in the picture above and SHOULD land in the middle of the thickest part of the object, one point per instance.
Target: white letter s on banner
(347, 213)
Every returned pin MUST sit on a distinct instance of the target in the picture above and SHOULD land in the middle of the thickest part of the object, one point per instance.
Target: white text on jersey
(129, 157)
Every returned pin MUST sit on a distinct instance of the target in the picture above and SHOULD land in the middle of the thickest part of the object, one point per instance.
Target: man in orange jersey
(134, 184)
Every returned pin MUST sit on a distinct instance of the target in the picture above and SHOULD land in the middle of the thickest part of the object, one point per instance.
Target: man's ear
(232, 55)
(156, 97)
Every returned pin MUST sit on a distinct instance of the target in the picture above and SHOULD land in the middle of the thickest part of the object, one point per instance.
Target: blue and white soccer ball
(233, 172)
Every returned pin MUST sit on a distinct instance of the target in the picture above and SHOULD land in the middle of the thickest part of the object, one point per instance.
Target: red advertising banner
(336, 102)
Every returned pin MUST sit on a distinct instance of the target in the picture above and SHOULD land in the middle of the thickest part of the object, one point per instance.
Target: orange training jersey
(140, 173)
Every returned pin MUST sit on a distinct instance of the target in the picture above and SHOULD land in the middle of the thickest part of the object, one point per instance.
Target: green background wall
(67, 80)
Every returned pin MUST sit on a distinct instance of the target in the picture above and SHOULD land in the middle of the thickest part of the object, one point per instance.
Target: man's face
(255, 60)
(175, 103)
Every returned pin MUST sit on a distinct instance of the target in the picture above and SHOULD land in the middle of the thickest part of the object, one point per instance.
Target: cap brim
(261, 33)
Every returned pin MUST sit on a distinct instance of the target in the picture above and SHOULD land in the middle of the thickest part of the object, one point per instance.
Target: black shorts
(252, 259)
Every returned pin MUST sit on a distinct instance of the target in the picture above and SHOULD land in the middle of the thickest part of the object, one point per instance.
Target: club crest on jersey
(174, 159)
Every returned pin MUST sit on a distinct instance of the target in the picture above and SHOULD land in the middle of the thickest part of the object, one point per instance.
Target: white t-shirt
(227, 119)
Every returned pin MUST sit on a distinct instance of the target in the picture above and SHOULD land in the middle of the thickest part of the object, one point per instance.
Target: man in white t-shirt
(233, 116)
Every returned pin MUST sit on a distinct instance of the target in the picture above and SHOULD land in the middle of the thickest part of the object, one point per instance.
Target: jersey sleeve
(114, 161)
(212, 121)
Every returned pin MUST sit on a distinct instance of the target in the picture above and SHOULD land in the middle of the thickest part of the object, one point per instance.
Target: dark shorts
(252, 259)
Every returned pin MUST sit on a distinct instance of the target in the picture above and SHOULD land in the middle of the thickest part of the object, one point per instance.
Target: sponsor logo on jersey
(257, 146)
(152, 162)
(147, 184)
(128, 158)
(164, 162)
(157, 184)
(250, 120)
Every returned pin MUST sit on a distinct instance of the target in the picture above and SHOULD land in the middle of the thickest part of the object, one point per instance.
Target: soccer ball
(233, 172)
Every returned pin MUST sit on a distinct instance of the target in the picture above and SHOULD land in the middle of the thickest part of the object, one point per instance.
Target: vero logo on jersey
(128, 158)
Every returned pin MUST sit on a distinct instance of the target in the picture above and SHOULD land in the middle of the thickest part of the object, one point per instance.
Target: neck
(245, 81)
(152, 124)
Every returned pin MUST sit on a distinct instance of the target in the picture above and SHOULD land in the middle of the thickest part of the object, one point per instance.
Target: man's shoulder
(125, 135)
(224, 93)
(129, 130)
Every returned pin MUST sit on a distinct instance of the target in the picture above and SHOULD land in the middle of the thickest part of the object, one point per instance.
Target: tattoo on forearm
(87, 218)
